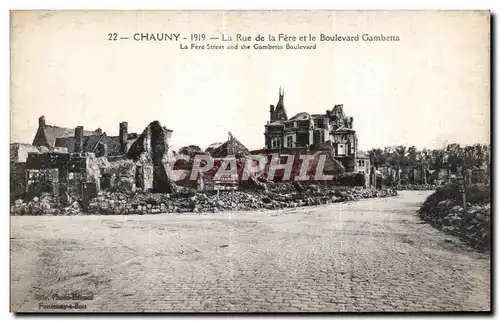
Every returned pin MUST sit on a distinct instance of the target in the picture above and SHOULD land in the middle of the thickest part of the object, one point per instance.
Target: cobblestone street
(368, 255)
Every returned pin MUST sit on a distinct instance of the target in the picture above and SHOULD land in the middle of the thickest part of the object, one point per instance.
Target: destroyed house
(46, 135)
(62, 173)
(231, 147)
(79, 140)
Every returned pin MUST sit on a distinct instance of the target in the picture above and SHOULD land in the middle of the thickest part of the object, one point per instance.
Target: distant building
(362, 163)
(330, 130)
(363, 166)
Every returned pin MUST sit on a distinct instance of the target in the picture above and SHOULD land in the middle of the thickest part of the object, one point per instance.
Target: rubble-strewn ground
(417, 187)
(368, 255)
(444, 210)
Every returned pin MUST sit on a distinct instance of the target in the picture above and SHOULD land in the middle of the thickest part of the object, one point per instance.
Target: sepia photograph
(250, 161)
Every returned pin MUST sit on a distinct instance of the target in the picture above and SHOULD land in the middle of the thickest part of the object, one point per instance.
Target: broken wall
(19, 152)
(18, 179)
(92, 172)
(152, 147)
(119, 176)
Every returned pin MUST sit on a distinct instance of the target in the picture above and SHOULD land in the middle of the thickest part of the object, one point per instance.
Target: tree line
(453, 157)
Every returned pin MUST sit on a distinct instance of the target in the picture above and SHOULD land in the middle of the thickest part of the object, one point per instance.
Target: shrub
(476, 194)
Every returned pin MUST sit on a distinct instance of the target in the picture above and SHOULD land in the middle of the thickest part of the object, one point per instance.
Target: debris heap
(277, 196)
(444, 210)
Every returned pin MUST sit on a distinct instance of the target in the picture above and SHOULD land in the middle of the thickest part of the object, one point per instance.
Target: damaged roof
(344, 129)
(90, 143)
(303, 116)
(276, 123)
(52, 133)
(231, 147)
(113, 143)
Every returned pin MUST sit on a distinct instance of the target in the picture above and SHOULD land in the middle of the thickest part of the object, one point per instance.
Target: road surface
(370, 255)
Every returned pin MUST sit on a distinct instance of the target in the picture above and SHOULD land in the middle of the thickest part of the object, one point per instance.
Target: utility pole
(465, 196)
(462, 183)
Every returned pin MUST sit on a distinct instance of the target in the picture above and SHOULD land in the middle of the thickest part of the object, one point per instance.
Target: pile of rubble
(417, 187)
(45, 205)
(444, 210)
(191, 201)
(187, 200)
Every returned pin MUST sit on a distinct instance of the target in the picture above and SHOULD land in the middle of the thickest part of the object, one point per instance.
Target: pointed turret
(280, 111)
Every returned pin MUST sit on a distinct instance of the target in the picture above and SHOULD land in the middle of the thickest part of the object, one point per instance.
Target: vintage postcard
(250, 161)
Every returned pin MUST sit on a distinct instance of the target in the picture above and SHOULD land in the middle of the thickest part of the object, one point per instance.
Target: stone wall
(18, 180)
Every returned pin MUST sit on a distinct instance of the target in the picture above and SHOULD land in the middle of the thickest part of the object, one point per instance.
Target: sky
(430, 88)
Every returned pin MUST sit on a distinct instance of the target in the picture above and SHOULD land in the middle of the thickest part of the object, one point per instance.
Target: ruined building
(231, 147)
(342, 137)
(64, 161)
(332, 130)
(62, 174)
(78, 140)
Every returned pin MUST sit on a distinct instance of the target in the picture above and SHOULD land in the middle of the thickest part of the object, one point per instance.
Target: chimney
(271, 113)
(41, 121)
(123, 137)
(98, 130)
(79, 139)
